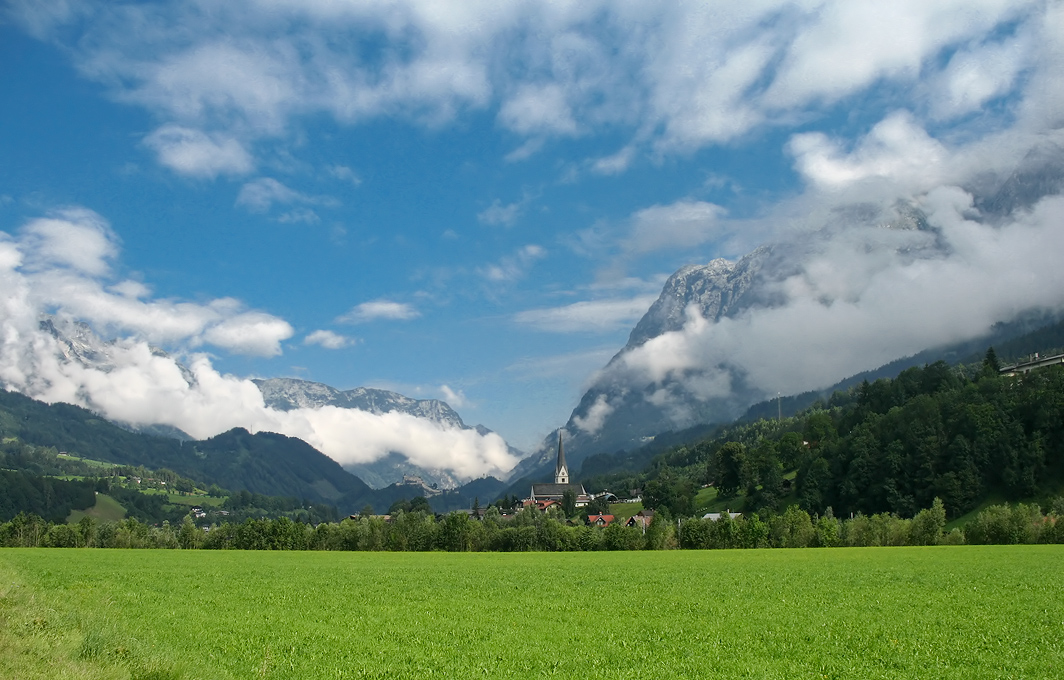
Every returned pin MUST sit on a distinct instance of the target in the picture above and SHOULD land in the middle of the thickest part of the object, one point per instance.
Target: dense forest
(961, 434)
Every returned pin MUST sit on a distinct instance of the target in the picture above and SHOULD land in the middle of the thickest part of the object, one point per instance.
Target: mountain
(77, 344)
(1012, 342)
(670, 376)
(264, 463)
(286, 394)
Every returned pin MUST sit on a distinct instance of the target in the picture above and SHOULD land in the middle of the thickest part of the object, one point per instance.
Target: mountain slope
(287, 394)
(263, 463)
(724, 336)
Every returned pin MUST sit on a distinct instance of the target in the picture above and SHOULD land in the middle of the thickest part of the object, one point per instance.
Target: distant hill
(263, 463)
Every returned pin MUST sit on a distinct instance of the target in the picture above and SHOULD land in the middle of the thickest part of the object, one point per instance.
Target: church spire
(561, 471)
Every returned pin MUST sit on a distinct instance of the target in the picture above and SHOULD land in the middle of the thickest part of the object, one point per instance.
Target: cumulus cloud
(328, 339)
(130, 381)
(897, 149)
(882, 259)
(380, 309)
(65, 260)
(675, 76)
(75, 238)
(192, 152)
(588, 316)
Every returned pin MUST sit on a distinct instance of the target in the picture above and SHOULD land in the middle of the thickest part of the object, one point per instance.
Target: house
(557, 490)
(714, 516)
(641, 519)
(599, 520)
(541, 505)
(1034, 363)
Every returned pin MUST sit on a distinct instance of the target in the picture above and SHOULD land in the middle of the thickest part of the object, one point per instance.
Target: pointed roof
(561, 456)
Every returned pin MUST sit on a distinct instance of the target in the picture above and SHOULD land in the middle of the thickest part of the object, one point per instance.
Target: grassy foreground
(949, 612)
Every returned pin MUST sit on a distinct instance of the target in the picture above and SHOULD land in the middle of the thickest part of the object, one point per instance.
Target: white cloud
(854, 296)
(538, 109)
(261, 194)
(499, 214)
(346, 174)
(513, 267)
(896, 149)
(614, 164)
(680, 225)
(75, 238)
(250, 333)
(677, 76)
(594, 316)
(380, 309)
(454, 398)
(328, 339)
(304, 215)
(65, 262)
(596, 415)
(131, 382)
(843, 47)
(195, 153)
(976, 75)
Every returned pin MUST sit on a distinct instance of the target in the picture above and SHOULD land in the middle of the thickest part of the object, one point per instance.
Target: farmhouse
(641, 519)
(714, 516)
(554, 492)
(599, 520)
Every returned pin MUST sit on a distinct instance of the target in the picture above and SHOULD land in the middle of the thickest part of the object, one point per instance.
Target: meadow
(920, 612)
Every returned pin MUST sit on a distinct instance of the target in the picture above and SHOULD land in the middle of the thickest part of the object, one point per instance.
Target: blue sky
(474, 202)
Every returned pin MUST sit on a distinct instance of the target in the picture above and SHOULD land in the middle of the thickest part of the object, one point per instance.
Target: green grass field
(106, 509)
(945, 612)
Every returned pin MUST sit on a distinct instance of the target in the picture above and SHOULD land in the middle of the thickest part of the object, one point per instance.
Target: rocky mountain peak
(286, 394)
(717, 289)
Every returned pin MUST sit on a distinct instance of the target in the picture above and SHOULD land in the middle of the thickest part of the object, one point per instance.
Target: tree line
(532, 530)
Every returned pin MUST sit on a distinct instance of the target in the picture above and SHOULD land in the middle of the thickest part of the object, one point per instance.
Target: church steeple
(561, 471)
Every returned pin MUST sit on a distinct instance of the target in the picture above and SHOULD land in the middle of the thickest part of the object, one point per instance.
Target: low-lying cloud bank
(60, 266)
(881, 257)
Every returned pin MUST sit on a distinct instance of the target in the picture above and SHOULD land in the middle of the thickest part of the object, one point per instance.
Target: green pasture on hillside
(940, 612)
(107, 509)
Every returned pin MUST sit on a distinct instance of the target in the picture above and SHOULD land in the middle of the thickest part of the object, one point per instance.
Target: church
(542, 494)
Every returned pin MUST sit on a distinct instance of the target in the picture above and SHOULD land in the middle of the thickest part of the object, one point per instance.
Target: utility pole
(779, 407)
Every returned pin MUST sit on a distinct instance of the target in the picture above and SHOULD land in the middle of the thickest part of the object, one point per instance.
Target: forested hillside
(263, 463)
(959, 434)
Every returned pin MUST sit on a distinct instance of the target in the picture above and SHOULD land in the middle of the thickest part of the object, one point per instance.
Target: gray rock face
(77, 342)
(715, 288)
(721, 289)
(286, 394)
(1040, 174)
